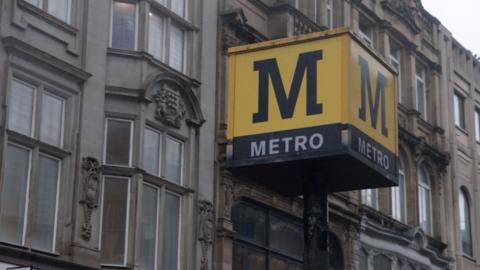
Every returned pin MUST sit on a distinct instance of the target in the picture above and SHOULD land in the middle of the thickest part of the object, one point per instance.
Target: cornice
(21, 48)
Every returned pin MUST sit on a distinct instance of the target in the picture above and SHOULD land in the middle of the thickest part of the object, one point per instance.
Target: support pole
(315, 224)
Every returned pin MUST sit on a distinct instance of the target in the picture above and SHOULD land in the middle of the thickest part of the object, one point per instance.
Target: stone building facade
(113, 127)
(106, 153)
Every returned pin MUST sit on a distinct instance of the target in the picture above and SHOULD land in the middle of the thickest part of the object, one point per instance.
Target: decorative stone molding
(421, 148)
(419, 239)
(17, 46)
(227, 188)
(236, 31)
(170, 107)
(91, 170)
(407, 11)
(206, 230)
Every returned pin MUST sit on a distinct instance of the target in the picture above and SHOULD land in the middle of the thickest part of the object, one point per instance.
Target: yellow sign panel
(312, 96)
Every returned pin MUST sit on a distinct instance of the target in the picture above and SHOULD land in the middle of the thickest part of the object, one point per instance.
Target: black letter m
(268, 69)
(373, 103)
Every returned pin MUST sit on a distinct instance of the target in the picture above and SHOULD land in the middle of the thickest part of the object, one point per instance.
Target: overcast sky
(461, 17)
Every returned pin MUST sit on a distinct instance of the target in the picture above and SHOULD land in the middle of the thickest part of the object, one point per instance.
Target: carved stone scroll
(90, 193)
(206, 230)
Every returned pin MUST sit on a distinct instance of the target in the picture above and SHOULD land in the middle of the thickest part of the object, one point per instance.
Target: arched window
(465, 223)
(399, 208)
(424, 200)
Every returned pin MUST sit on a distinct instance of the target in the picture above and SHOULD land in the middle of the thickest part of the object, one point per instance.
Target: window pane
(118, 142)
(155, 36)
(114, 220)
(395, 62)
(369, 197)
(459, 111)
(425, 209)
(398, 196)
(52, 119)
(151, 151)
(173, 170)
(21, 108)
(14, 194)
(45, 203)
(123, 26)
(421, 98)
(60, 9)
(171, 230)
(249, 223)
(248, 258)
(177, 43)
(178, 6)
(148, 246)
(330, 13)
(465, 222)
(286, 236)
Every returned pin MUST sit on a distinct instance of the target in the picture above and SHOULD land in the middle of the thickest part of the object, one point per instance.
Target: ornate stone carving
(236, 31)
(228, 194)
(206, 230)
(421, 147)
(170, 107)
(91, 188)
(301, 26)
(406, 10)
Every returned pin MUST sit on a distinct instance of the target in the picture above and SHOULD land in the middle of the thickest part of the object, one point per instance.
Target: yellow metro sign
(321, 98)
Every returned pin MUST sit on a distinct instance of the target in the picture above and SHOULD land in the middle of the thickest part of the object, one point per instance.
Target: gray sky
(461, 17)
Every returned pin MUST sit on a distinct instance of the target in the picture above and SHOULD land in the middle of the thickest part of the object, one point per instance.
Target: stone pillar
(224, 235)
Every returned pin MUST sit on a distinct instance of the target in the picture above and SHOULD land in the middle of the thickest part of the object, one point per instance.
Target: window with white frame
(31, 176)
(51, 129)
(370, 197)
(155, 159)
(167, 39)
(118, 142)
(180, 7)
(366, 31)
(395, 57)
(399, 207)
(477, 124)
(60, 9)
(421, 104)
(115, 213)
(176, 56)
(459, 110)
(465, 223)
(156, 214)
(329, 8)
(156, 35)
(123, 25)
(425, 200)
(22, 107)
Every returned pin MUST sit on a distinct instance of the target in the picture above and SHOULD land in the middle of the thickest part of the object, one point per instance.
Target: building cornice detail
(19, 47)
